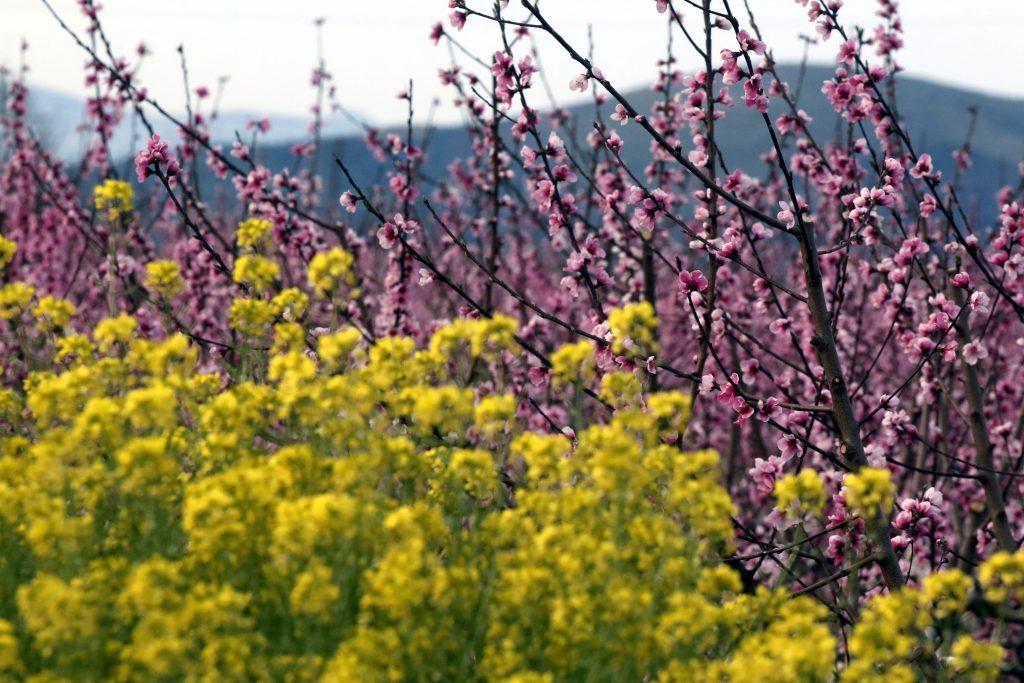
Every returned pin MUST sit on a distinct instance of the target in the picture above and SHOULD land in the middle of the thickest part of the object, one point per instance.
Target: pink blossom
(927, 206)
(923, 168)
(753, 96)
(580, 83)
(779, 326)
(766, 471)
(262, 125)
(980, 303)
(436, 32)
(767, 408)
(973, 352)
(750, 44)
(458, 20)
(348, 201)
(962, 157)
(788, 446)
(394, 231)
(847, 52)
(749, 367)
(692, 281)
(148, 161)
(620, 114)
(961, 279)
(538, 376)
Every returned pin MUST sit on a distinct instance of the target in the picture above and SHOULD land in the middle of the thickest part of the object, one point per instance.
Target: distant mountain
(56, 116)
(936, 116)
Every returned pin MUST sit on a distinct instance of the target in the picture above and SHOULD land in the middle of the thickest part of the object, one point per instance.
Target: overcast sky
(373, 47)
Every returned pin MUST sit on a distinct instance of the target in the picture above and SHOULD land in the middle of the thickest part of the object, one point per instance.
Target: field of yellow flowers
(355, 514)
(336, 509)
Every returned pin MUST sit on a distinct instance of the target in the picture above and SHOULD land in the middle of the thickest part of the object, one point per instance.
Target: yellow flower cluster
(869, 491)
(74, 347)
(253, 232)
(799, 494)
(895, 639)
(671, 410)
(53, 313)
(573, 363)
(329, 269)
(972, 660)
(1002, 577)
(365, 516)
(163, 278)
(494, 414)
(334, 349)
(256, 271)
(253, 317)
(15, 298)
(634, 329)
(8, 249)
(441, 411)
(473, 338)
(620, 389)
(111, 331)
(290, 304)
(114, 198)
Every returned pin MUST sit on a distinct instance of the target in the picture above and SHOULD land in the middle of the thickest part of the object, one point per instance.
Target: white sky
(373, 47)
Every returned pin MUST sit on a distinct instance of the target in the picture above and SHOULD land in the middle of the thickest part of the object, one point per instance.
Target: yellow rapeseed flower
(329, 269)
(183, 525)
(800, 494)
(53, 313)
(573, 363)
(15, 298)
(111, 331)
(494, 414)
(164, 278)
(869, 491)
(976, 661)
(251, 317)
(253, 232)
(1002, 576)
(8, 249)
(114, 198)
(634, 329)
(334, 349)
(256, 271)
